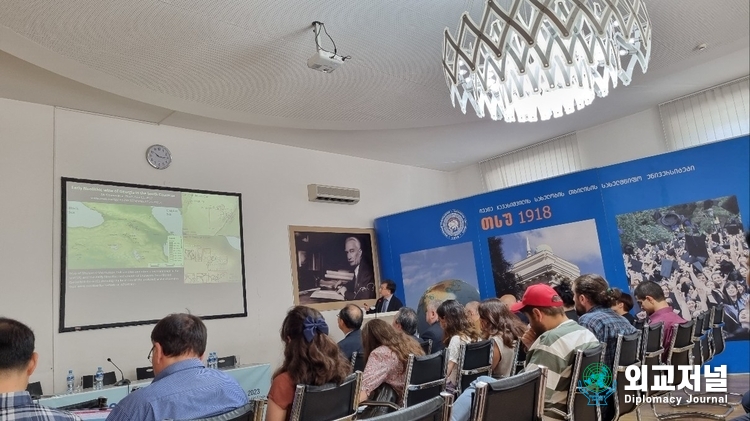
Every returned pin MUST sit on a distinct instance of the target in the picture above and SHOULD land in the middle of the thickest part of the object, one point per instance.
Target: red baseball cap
(538, 295)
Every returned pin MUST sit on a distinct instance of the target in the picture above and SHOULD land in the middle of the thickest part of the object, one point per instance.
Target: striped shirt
(606, 325)
(18, 406)
(556, 350)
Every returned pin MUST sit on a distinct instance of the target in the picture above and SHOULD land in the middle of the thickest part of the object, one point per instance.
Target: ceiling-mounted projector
(323, 60)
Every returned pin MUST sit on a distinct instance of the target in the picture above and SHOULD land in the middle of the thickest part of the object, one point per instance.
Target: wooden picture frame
(332, 267)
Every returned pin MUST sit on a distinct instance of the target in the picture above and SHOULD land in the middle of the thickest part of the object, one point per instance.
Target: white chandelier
(531, 59)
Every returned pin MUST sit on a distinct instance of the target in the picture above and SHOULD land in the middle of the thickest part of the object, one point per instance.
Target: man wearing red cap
(552, 341)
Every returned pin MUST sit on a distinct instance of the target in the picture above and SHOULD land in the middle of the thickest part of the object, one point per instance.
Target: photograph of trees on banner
(697, 252)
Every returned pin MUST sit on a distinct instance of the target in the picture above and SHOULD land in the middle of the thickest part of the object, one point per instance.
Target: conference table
(254, 378)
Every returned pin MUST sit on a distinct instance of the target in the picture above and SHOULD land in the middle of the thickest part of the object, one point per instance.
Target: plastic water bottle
(212, 360)
(99, 379)
(71, 380)
(215, 361)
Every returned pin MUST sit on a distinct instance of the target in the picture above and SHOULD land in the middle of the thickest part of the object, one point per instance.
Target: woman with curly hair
(386, 355)
(458, 330)
(310, 357)
(504, 328)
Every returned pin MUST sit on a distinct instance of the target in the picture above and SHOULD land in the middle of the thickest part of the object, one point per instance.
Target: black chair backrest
(226, 362)
(653, 348)
(699, 338)
(327, 402)
(35, 389)
(435, 409)
(717, 330)
(514, 364)
(142, 373)
(681, 348)
(99, 403)
(707, 339)
(358, 361)
(474, 360)
(578, 403)
(627, 354)
(426, 345)
(519, 397)
(425, 377)
(252, 411)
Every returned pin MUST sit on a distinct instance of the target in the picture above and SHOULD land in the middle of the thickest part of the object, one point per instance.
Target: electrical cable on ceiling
(317, 25)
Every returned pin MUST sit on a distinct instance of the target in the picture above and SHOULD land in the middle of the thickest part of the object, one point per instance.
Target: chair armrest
(379, 403)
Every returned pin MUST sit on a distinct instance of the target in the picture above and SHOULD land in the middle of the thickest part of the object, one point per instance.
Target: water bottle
(213, 364)
(215, 361)
(99, 379)
(71, 380)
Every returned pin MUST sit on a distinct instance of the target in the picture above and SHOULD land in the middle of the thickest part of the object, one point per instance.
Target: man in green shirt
(552, 341)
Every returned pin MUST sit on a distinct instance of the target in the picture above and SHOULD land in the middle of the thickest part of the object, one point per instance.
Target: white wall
(625, 139)
(271, 178)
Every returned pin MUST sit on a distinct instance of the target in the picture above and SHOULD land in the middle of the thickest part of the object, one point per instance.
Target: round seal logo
(453, 224)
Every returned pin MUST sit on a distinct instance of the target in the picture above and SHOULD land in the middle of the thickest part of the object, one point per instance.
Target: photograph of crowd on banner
(698, 254)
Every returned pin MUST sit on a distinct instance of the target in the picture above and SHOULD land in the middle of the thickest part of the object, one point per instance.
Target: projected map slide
(131, 238)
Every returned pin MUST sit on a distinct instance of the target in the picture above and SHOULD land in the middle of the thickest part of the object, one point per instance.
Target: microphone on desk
(124, 380)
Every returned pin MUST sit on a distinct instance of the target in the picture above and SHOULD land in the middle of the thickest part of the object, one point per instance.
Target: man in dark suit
(350, 321)
(435, 331)
(362, 286)
(387, 301)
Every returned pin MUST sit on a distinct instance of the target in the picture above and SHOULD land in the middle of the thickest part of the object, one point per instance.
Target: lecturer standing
(387, 301)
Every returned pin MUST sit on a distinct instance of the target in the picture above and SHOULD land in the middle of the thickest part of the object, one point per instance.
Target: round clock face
(158, 156)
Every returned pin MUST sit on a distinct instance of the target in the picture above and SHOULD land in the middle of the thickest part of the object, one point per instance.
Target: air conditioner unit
(332, 194)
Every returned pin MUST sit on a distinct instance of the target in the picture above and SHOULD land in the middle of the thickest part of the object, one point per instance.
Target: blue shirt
(606, 325)
(18, 406)
(185, 390)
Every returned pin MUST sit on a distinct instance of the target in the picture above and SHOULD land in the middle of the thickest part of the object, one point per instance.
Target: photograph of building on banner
(333, 266)
(439, 274)
(697, 252)
(551, 255)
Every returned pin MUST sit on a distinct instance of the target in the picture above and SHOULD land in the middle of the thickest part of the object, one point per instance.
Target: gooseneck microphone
(124, 380)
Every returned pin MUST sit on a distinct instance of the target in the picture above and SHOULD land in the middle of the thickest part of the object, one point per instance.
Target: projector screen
(132, 254)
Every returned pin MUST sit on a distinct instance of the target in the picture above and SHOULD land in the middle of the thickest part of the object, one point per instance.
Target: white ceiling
(238, 67)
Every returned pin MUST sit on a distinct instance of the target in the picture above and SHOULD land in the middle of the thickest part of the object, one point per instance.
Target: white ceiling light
(531, 59)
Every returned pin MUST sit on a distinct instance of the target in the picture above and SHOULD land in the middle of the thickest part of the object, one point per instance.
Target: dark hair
(727, 298)
(456, 322)
(378, 332)
(565, 292)
(179, 334)
(649, 289)
(622, 297)
(549, 311)
(16, 345)
(316, 362)
(595, 288)
(500, 321)
(407, 319)
(351, 315)
(389, 284)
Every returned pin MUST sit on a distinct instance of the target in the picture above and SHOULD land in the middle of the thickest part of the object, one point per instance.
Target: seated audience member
(17, 363)
(472, 312)
(387, 301)
(566, 293)
(350, 322)
(458, 330)
(406, 321)
(623, 304)
(650, 297)
(310, 357)
(594, 300)
(435, 331)
(504, 328)
(178, 390)
(552, 340)
(386, 355)
(509, 300)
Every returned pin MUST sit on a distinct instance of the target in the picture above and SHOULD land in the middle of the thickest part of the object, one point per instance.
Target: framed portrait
(332, 267)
